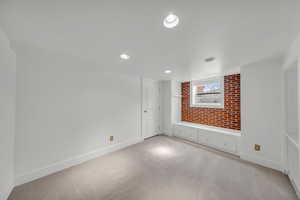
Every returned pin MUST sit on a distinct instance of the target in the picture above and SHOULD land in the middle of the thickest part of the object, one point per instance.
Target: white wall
(7, 111)
(165, 91)
(262, 113)
(291, 101)
(171, 104)
(293, 53)
(68, 108)
(175, 101)
(292, 89)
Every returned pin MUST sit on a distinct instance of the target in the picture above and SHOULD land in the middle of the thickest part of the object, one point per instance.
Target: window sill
(225, 131)
(207, 106)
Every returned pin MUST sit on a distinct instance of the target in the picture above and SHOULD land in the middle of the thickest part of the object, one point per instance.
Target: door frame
(142, 107)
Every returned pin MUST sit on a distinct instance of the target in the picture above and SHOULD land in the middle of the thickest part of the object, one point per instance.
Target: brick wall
(227, 117)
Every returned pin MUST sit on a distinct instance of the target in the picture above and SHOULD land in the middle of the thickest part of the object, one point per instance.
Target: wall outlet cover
(257, 147)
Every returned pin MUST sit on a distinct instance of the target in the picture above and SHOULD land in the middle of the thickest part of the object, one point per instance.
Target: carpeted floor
(161, 168)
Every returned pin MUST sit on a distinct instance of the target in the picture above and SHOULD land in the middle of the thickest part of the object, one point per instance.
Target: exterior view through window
(207, 93)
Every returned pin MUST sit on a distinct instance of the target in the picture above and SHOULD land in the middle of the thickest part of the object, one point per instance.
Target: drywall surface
(165, 91)
(171, 104)
(262, 112)
(291, 102)
(293, 53)
(292, 93)
(7, 115)
(68, 108)
(292, 110)
(175, 101)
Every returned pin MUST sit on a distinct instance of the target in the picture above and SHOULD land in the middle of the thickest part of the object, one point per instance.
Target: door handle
(145, 111)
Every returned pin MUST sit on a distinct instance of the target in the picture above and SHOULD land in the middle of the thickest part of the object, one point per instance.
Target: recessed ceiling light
(210, 59)
(168, 71)
(171, 21)
(124, 56)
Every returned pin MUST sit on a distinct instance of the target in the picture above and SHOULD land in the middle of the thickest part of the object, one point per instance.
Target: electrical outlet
(257, 147)
(111, 138)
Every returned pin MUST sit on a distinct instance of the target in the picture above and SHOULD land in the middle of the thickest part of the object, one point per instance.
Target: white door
(150, 108)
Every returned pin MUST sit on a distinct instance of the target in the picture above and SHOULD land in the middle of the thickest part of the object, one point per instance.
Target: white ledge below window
(225, 131)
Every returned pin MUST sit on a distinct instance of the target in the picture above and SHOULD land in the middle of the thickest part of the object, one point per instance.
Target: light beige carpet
(161, 168)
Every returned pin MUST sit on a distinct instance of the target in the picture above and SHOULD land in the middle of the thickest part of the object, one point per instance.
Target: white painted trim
(292, 141)
(249, 158)
(6, 195)
(212, 146)
(236, 70)
(295, 186)
(141, 107)
(263, 162)
(203, 81)
(144, 107)
(236, 153)
(216, 129)
(38, 173)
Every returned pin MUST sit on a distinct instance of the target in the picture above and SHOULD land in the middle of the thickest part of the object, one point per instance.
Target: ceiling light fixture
(124, 56)
(171, 21)
(168, 71)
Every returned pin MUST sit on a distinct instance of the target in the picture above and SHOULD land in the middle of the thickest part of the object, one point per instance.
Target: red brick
(229, 117)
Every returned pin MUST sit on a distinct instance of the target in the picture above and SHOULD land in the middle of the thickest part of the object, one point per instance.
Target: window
(207, 93)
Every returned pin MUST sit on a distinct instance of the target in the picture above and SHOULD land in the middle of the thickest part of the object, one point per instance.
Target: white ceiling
(236, 32)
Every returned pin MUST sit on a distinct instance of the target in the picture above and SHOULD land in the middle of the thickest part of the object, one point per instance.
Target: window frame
(203, 81)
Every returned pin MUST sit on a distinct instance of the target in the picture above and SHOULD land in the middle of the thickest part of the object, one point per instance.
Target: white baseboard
(221, 149)
(38, 173)
(263, 162)
(4, 196)
(295, 185)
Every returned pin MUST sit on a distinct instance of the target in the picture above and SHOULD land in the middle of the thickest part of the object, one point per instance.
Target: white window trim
(207, 105)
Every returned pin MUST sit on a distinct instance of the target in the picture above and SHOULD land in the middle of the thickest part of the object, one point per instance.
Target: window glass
(207, 93)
